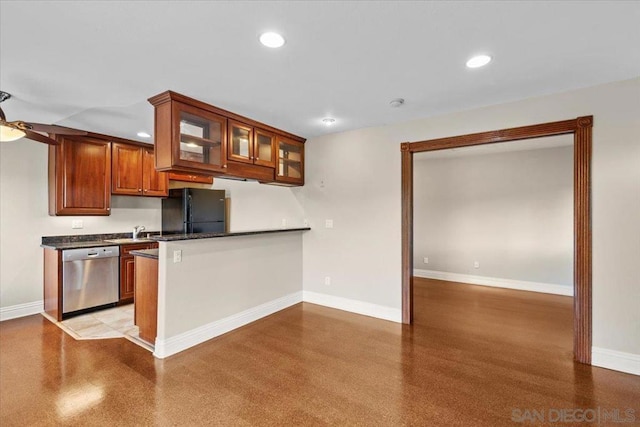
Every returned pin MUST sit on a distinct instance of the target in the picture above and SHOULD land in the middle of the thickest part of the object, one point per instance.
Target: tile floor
(114, 322)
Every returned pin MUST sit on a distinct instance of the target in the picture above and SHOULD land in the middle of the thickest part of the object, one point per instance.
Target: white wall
(512, 212)
(24, 216)
(361, 173)
(222, 277)
(256, 206)
(24, 220)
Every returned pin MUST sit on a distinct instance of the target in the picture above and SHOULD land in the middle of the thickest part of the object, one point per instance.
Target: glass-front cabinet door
(240, 142)
(290, 161)
(201, 138)
(263, 148)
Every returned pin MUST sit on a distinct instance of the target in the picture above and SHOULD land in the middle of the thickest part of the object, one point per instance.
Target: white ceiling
(92, 65)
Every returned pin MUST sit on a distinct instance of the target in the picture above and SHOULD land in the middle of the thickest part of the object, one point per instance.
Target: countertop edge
(197, 236)
(146, 253)
(59, 246)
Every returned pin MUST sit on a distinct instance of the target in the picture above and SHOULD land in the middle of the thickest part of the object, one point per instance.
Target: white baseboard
(21, 310)
(167, 347)
(616, 360)
(521, 285)
(354, 306)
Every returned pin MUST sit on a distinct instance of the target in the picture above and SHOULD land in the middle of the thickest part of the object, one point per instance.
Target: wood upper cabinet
(250, 145)
(202, 179)
(134, 172)
(154, 183)
(126, 170)
(190, 139)
(290, 161)
(80, 177)
(197, 138)
(264, 148)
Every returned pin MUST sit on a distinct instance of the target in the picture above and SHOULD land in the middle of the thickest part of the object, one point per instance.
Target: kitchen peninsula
(194, 287)
(212, 283)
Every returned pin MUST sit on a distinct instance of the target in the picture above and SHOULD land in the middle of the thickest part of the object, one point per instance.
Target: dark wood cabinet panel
(127, 278)
(134, 173)
(289, 161)
(264, 148)
(127, 270)
(202, 179)
(240, 142)
(154, 183)
(53, 283)
(146, 296)
(80, 177)
(126, 171)
(191, 140)
(244, 170)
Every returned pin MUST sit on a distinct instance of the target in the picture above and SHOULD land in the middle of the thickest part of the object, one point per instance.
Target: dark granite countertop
(94, 240)
(194, 236)
(78, 241)
(146, 253)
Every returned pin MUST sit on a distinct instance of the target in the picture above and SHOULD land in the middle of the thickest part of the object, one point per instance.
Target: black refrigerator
(193, 210)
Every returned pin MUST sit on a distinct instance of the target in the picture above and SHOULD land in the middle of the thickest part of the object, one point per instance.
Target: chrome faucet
(137, 230)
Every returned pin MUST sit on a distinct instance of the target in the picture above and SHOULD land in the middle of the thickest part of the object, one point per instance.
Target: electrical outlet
(328, 223)
(177, 256)
(77, 223)
(327, 280)
(284, 222)
(476, 264)
(426, 260)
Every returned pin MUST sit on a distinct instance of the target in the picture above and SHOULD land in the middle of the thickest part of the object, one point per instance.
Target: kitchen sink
(129, 240)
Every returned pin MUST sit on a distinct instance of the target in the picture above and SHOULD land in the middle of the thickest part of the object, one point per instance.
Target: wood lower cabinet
(128, 271)
(53, 283)
(80, 177)
(146, 305)
(134, 174)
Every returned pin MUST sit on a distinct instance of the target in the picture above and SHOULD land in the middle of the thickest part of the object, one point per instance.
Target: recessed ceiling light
(328, 121)
(396, 102)
(144, 135)
(478, 61)
(272, 39)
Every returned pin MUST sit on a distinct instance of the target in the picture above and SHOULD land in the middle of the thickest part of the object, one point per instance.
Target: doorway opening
(580, 128)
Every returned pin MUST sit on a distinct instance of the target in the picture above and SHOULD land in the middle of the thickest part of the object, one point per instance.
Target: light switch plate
(177, 256)
(328, 223)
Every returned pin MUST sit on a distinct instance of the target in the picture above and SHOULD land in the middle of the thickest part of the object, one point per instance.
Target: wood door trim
(581, 128)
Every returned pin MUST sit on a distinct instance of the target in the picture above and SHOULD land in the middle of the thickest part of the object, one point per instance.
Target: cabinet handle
(224, 166)
(145, 190)
(139, 190)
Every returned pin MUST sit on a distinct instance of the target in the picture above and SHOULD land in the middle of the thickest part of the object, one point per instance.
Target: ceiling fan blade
(40, 138)
(59, 130)
(2, 116)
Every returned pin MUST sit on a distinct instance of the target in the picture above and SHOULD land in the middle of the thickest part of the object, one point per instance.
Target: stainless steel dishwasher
(90, 278)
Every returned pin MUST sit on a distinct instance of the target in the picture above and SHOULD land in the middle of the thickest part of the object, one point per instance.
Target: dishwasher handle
(90, 253)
